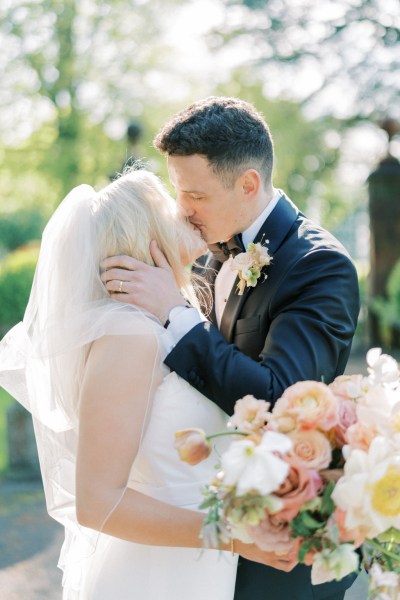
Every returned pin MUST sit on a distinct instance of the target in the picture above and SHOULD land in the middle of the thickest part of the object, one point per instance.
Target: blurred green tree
(339, 57)
(79, 74)
(305, 157)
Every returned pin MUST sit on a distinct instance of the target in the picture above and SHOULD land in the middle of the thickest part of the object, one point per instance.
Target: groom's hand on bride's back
(134, 282)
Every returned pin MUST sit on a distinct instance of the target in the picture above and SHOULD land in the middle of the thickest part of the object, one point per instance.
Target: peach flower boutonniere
(249, 265)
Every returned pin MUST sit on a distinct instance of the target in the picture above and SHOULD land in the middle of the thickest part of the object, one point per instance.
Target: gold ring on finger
(120, 286)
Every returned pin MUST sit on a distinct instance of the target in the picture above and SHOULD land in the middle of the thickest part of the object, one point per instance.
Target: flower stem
(379, 547)
(221, 433)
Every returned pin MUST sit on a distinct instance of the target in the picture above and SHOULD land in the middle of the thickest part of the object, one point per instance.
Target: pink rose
(250, 415)
(310, 403)
(312, 448)
(300, 486)
(192, 445)
(273, 535)
(347, 416)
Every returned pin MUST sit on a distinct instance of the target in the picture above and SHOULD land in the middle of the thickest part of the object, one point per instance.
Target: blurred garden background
(86, 84)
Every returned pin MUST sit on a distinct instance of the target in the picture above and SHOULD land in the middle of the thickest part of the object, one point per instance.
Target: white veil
(43, 357)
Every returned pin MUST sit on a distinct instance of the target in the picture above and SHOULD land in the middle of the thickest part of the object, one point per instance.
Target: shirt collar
(250, 233)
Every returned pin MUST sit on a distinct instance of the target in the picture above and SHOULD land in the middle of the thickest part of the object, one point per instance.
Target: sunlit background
(85, 85)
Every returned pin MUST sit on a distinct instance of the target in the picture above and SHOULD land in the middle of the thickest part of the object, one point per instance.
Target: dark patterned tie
(223, 250)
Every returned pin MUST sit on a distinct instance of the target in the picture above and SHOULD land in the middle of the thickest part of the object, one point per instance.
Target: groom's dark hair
(229, 132)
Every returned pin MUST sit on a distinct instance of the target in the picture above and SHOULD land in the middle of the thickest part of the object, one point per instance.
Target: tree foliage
(310, 49)
(305, 158)
(80, 70)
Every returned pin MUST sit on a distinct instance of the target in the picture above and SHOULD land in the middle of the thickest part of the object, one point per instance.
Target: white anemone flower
(369, 491)
(255, 467)
(382, 368)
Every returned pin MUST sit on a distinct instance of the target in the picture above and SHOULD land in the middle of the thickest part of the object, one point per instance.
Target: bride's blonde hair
(135, 209)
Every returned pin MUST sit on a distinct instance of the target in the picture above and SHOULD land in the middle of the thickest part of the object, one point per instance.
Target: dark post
(133, 134)
(384, 211)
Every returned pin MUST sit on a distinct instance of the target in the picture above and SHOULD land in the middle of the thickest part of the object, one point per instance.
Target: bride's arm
(121, 375)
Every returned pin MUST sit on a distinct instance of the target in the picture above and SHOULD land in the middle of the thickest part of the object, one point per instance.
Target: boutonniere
(249, 265)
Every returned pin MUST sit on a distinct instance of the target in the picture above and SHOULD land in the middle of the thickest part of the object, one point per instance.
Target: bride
(105, 408)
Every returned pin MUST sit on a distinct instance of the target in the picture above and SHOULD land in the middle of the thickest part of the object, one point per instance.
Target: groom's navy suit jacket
(296, 324)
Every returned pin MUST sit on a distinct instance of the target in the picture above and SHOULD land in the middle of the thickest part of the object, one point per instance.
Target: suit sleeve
(313, 315)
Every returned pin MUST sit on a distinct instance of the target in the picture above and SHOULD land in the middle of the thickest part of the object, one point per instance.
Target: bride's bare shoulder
(126, 355)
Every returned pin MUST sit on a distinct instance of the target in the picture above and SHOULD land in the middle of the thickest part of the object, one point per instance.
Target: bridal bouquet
(320, 474)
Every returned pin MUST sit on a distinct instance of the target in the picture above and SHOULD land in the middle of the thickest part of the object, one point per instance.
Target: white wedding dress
(121, 570)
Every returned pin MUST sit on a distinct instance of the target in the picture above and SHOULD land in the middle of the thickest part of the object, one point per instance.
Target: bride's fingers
(118, 287)
(158, 256)
(118, 275)
(122, 261)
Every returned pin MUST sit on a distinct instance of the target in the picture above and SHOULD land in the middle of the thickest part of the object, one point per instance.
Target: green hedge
(16, 275)
(5, 403)
(20, 227)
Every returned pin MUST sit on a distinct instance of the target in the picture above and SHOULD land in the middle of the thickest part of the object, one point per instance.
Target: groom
(297, 323)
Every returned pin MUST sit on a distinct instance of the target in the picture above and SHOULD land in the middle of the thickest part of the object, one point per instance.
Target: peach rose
(360, 436)
(312, 448)
(250, 415)
(356, 536)
(310, 403)
(347, 416)
(309, 557)
(192, 445)
(347, 387)
(300, 485)
(273, 535)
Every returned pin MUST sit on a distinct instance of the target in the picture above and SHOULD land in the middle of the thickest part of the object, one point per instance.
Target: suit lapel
(275, 229)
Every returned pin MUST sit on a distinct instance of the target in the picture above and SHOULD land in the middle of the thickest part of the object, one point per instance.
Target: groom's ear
(250, 182)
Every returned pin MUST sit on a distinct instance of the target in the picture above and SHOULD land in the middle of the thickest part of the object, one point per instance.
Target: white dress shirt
(189, 318)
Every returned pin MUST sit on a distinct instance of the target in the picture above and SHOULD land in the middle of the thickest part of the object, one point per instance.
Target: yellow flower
(396, 422)
(385, 493)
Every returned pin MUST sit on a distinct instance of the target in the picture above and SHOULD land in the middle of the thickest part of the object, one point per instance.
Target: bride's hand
(285, 562)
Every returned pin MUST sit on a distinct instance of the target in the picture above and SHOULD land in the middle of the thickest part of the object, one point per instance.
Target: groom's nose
(185, 206)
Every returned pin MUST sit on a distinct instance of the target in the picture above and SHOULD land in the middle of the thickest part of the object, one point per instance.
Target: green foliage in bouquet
(311, 523)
